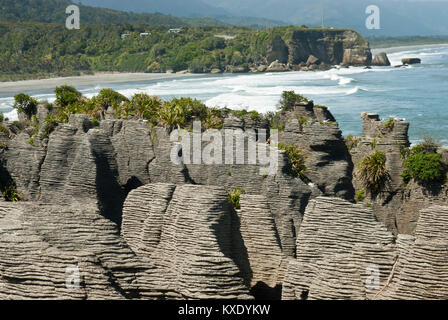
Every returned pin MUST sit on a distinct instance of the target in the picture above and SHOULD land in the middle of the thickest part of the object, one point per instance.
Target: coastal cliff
(193, 50)
(105, 197)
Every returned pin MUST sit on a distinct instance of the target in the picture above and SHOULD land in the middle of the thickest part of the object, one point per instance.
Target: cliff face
(109, 202)
(326, 46)
(398, 205)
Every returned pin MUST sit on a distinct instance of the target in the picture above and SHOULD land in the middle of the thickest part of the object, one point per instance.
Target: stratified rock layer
(343, 253)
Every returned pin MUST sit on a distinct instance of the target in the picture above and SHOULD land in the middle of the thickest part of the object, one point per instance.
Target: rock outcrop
(381, 60)
(277, 66)
(315, 131)
(343, 253)
(411, 61)
(311, 49)
(398, 205)
(108, 205)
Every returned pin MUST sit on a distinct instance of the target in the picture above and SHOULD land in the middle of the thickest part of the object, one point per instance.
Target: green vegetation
(25, 104)
(424, 164)
(390, 124)
(234, 197)
(9, 191)
(297, 157)
(351, 142)
(53, 11)
(66, 95)
(371, 170)
(36, 50)
(275, 121)
(373, 143)
(289, 99)
(360, 196)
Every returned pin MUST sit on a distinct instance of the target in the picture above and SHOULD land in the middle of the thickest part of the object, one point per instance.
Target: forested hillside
(36, 49)
(53, 11)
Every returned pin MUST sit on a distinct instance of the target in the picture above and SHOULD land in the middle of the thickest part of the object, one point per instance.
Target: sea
(418, 93)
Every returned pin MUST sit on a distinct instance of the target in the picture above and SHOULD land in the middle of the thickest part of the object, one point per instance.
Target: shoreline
(395, 49)
(87, 80)
(104, 78)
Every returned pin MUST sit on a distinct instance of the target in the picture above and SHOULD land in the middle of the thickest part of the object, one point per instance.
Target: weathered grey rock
(332, 47)
(332, 230)
(277, 66)
(411, 61)
(381, 60)
(39, 242)
(341, 249)
(314, 130)
(189, 235)
(312, 60)
(266, 259)
(391, 137)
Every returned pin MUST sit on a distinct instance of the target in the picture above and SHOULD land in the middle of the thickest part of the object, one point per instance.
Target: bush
(289, 99)
(372, 171)
(275, 121)
(109, 98)
(234, 197)
(351, 142)
(429, 145)
(66, 95)
(424, 168)
(298, 160)
(144, 106)
(48, 127)
(10, 192)
(25, 104)
(390, 124)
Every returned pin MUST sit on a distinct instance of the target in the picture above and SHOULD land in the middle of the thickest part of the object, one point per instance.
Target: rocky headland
(101, 194)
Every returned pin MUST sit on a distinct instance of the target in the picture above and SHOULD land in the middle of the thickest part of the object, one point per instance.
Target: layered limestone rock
(333, 47)
(390, 137)
(65, 252)
(398, 205)
(189, 233)
(344, 253)
(421, 271)
(331, 232)
(316, 132)
(261, 240)
(82, 164)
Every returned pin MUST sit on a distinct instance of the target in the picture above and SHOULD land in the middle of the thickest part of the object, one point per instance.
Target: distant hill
(53, 11)
(398, 17)
(190, 9)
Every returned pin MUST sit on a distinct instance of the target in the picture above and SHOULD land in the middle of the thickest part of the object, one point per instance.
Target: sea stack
(411, 61)
(381, 60)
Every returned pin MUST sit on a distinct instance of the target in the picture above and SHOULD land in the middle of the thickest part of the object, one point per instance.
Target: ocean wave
(356, 90)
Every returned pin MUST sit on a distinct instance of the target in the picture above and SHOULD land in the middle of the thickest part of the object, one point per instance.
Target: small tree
(297, 157)
(109, 98)
(289, 99)
(424, 168)
(66, 95)
(373, 173)
(25, 104)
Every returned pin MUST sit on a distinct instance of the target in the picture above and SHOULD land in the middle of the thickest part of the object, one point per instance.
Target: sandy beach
(89, 80)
